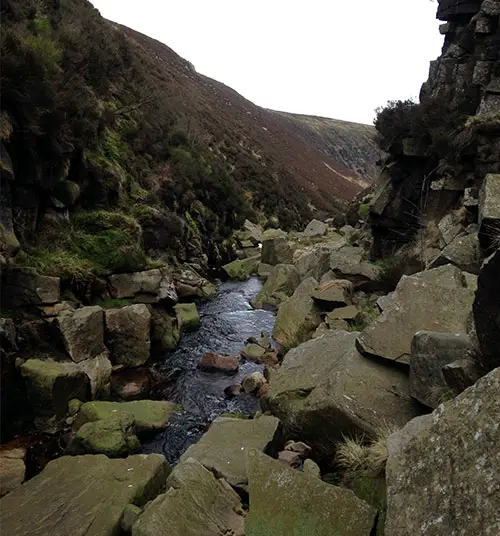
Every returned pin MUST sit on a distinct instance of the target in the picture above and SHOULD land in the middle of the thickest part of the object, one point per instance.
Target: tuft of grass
(360, 454)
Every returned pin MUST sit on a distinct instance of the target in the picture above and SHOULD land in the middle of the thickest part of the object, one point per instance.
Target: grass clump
(359, 454)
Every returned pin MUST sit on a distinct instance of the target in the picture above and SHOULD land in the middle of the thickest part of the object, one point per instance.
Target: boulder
(461, 374)
(52, 384)
(263, 270)
(115, 437)
(349, 261)
(281, 283)
(325, 389)
(450, 227)
(342, 313)
(435, 300)
(290, 458)
(12, 470)
(276, 251)
(450, 10)
(286, 501)
(222, 449)
(299, 447)
(487, 312)
(149, 415)
(196, 502)
(311, 468)
(149, 286)
(489, 211)
(187, 316)
(463, 252)
(253, 352)
(298, 316)
(254, 231)
(430, 352)
(242, 269)
(82, 495)
(442, 476)
(253, 382)
(213, 362)
(315, 228)
(24, 286)
(165, 330)
(313, 261)
(127, 334)
(82, 331)
(334, 293)
(98, 369)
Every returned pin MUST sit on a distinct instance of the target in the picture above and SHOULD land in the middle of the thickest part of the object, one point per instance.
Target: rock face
(443, 478)
(195, 503)
(82, 331)
(286, 501)
(114, 437)
(82, 495)
(24, 286)
(435, 300)
(298, 316)
(276, 251)
(430, 352)
(222, 449)
(487, 312)
(150, 286)
(489, 210)
(282, 281)
(52, 384)
(325, 388)
(149, 415)
(213, 362)
(127, 334)
(316, 228)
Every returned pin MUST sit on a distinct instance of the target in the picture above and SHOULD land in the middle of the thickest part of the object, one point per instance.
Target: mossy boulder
(115, 437)
(82, 495)
(281, 283)
(52, 384)
(165, 330)
(242, 269)
(187, 316)
(149, 415)
(287, 501)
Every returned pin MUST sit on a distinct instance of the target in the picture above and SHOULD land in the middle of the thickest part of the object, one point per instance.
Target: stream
(227, 322)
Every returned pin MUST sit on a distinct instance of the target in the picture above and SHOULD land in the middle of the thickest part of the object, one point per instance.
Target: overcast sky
(334, 58)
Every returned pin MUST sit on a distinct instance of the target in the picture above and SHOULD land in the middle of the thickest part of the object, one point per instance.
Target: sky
(332, 58)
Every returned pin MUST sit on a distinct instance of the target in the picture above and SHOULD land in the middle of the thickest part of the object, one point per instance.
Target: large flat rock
(223, 447)
(82, 495)
(442, 473)
(284, 501)
(325, 388)
(195, 504)
(435, 300)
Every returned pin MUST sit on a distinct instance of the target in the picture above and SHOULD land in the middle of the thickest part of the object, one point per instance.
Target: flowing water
(226, 323)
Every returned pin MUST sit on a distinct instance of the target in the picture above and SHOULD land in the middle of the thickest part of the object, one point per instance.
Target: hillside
(351, 144)
(108, 132)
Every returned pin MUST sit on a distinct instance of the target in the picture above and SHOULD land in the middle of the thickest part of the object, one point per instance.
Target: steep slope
(351, 144)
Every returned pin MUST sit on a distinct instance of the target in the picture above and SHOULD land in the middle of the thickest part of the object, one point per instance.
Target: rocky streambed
(227, 321)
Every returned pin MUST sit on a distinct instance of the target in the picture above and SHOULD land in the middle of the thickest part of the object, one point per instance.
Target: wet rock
(196, 502)
(487, 312)
(52, 384)
(489, 210)
(286, 501)
(298, 316)
(253, 382)
(213, 362)
(435, 300)
(24, 286)
(325, 388)
(131, 384)
(12, 470)
(430, 352)
(222, 449)
(82, 331)
(149, 415)
(334, 293)
(165, 330)
(281, 283)
(315, 228)
(115, 437)
(149, 286)
(242, 269)
(276, 251)
(311, 468)
(233, 390)
(91, 490)
(127, 334)
(253, 352)
(460, 438)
